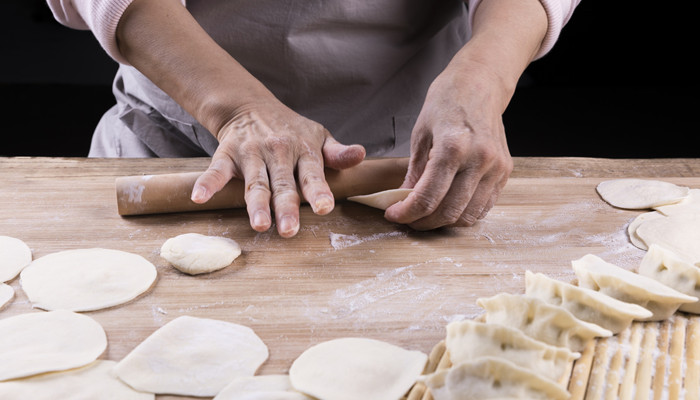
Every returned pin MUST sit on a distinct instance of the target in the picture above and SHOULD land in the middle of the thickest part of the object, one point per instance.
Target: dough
(261, 387)
(596, 274)
(6, 294)
(86, 279)
(469, 340)
(632, 228)
(689, 205)
(639, 194)
(93, 381)
(664, 266)
(192, 357)
(679, 233)
(14, 255)
(40, 342)
(193, 253)
(382, 200)
(356, 368)
(585, 304)
(492, 378)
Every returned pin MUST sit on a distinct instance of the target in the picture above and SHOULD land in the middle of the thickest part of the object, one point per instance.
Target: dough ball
(14, 255)
(192, 357)
(40, 342)
(86, 279)
(194, 254)
(638, 194)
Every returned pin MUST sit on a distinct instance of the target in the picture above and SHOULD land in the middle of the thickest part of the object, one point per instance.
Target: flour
(341, 241)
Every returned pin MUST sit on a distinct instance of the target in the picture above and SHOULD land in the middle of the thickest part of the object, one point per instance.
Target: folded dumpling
(468, 340)
(585, 304)
(491, 378)
(666, 267)
(596, 274)
(540, 320)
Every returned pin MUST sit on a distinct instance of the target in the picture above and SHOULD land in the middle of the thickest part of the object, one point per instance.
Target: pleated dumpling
(596, 274)
(666, 267)
(469, 340)
(491, 378)
(585, 304)
(540, 320)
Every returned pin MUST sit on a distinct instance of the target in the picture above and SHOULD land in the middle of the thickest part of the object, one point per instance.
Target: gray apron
(359, 68)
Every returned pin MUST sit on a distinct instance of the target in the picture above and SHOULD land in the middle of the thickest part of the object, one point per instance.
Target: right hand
(270, 147)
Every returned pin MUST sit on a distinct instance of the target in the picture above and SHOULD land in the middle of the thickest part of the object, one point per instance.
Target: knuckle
(450, 215)
(424, 204)
(279, 145)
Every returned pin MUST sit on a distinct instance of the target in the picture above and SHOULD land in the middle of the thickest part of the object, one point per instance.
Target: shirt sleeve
(558, 14)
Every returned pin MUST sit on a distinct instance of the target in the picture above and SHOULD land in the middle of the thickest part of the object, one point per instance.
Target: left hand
(459, 156)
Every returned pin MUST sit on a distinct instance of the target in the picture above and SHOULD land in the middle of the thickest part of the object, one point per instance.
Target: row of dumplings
(521, 346)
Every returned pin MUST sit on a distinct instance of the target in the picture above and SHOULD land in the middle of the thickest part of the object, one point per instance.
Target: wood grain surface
(350, 273)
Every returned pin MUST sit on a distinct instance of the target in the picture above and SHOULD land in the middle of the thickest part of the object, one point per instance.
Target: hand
(459, 156)
(265, 144)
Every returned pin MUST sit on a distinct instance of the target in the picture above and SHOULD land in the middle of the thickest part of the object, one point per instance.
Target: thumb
(339, 156)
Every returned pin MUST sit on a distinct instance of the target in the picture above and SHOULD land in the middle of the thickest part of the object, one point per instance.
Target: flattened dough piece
(679, 233)
(6, 294)
(637, 194)
(632, 228)
(86, 279)
(94, 381)
(40, 342)
(14, 255)
(689, 205)
(356, 368)
(192, 357)
(261, 387)
(193, 253)
(382, 200)
(492, 378)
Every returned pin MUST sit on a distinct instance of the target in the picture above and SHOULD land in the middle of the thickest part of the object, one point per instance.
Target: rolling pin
(169, 193)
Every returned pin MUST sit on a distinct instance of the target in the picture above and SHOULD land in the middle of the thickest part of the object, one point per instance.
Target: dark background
(620, 83)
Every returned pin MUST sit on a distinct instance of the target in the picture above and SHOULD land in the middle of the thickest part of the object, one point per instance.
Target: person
(276, 91)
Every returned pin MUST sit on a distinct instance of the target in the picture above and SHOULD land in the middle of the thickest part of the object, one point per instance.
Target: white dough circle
(356, 368)
(193, 253)
(637, 194)
(14, 255)
(93, 381)
(679, 233)
(86, 279)
(382, 200)
(632, 228)
(40, 342)
(261, 387)
(6, 294)
(192, 357)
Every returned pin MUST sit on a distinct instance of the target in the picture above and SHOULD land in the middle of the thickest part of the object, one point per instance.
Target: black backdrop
(621, 82)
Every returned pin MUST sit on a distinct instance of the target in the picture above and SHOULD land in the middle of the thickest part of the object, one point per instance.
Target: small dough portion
(41, 342)
(193, 253)
(86, 279)
(14, 256)
(632, 228)
(637, 194)
(93, 381)
(6, 294)
(193, 357)
(356, 368)
(261, 387)
(382, 200)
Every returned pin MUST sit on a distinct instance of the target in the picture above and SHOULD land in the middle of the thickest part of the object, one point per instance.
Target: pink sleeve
(558, 14)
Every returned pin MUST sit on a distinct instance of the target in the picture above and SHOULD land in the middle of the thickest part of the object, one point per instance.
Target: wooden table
(350, 273)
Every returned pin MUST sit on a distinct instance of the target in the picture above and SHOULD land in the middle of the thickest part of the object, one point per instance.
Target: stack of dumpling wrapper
(522, 346)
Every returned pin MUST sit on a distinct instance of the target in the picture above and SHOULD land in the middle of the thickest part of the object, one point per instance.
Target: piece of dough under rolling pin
(167, 193)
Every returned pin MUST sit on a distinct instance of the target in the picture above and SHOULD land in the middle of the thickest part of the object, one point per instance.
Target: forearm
(506, 37)
(163, 41)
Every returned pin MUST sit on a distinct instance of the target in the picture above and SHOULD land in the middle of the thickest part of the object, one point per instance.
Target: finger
(220, 171)
(339, 156)
(420, 151)
(285, 198)
(427, 195)
(313, 184)
(453, 204)
(257, 194)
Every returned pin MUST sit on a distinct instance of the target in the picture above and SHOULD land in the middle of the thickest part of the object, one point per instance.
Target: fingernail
(288, 226)
(261, 219)
(199, 194)
(323, 205)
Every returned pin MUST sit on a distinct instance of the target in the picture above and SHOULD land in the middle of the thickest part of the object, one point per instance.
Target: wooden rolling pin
(168, 193)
